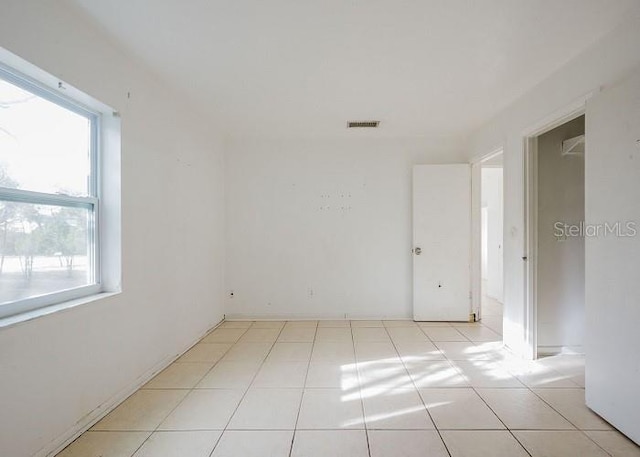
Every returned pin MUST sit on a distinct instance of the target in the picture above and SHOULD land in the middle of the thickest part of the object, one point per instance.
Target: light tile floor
(357, 389)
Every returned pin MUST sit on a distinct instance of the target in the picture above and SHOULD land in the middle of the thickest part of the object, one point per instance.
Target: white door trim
(530, 212)
(476, 229)
(530, 248)
(476, 241)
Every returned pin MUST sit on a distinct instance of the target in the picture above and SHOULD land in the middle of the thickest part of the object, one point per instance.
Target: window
(49, 199)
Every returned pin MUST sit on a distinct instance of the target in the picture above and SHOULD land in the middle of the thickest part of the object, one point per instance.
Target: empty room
(238, 228)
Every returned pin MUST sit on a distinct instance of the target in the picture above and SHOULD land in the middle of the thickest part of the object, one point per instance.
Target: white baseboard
(314, 317)
(557, 350)
(105, 408)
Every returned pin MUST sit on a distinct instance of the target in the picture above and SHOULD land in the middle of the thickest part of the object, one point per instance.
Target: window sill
(10, 321)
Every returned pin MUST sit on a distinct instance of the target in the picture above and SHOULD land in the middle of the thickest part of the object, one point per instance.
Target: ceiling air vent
(363, 124)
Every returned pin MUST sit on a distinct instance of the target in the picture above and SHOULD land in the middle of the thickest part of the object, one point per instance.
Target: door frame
(476, 228)
(530, 213)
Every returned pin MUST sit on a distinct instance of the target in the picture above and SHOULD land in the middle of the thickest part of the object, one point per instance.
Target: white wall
(612, 263)
(322, 228)
(560, 276)
(484, 242)
(58, 372)
(491, 183)
(605, 62)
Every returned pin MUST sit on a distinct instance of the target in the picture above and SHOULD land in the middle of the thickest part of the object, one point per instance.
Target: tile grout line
(499, 418)
(529, 388)
(449, 326)
(563, 416)
(435, 426)
(455, 367)
(246, 329)
(248, 387)
(190, 389)
(304, 386)
(446, 429)
(453, 364)
(526, 386)
(364, 414)
(366, 428)
(151, 432)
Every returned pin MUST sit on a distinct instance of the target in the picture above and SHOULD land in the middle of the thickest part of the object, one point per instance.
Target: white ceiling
(302, 68)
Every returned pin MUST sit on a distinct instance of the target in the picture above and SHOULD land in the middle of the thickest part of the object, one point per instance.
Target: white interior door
(612, 172)
(441, 237)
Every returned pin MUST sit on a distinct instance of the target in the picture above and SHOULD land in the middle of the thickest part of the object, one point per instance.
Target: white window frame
(91, 202)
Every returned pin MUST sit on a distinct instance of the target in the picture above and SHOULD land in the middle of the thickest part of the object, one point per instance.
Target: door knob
(417, 251)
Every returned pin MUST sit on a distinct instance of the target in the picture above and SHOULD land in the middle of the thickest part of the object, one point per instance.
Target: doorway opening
(491, 242)
(559, 259)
